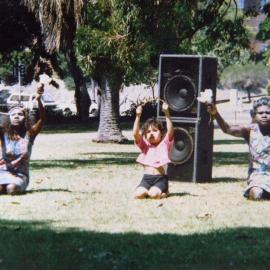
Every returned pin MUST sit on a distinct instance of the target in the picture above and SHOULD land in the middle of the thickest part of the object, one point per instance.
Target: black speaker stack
(181, 80)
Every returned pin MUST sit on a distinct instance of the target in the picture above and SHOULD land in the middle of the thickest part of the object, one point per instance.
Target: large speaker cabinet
(181, 80)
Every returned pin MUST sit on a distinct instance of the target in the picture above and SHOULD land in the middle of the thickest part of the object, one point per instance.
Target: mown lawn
(79, 212)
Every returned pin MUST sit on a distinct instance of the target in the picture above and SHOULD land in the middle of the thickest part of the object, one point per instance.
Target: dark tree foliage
(264, 28)
(122, 39)
(18, 31)
(264, 33)
(18, 27)
(127, 37)
(59, 20)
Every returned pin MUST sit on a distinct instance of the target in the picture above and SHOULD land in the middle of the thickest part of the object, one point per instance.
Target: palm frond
(59, 20)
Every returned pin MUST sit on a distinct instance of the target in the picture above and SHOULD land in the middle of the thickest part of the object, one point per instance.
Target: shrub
(251, 77)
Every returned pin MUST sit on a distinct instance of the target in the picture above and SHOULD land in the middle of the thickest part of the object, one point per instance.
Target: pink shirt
(154, 155)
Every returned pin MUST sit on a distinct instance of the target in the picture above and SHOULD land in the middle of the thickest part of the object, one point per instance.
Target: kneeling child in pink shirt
(155, 145)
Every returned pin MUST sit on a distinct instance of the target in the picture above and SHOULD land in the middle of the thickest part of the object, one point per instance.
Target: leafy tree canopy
(264, 28)
(9, 64)
(125, 38)
(264, 33)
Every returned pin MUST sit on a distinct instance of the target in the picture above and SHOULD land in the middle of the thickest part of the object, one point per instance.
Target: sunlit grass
(79, 212)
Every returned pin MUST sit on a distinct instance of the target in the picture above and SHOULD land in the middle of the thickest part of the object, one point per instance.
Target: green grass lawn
(79, 212)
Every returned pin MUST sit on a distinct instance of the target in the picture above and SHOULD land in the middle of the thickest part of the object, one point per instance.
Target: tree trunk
(82, 98)
(109, 130)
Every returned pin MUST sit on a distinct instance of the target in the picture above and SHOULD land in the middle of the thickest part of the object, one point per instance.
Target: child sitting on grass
(154, 144)
(257, 135)
(17, 138)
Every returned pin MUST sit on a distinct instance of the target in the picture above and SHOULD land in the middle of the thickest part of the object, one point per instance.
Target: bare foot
(164, 195)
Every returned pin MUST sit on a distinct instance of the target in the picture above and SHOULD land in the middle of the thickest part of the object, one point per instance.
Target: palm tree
(59, 20)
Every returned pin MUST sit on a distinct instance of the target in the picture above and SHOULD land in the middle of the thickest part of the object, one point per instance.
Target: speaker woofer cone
(182, 148)
(180, 93)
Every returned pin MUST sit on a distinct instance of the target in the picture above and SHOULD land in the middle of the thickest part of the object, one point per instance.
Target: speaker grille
(180, 93)
(183, 146)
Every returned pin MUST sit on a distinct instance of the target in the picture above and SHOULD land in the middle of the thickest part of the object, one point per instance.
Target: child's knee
(12, 189)
(154, 193)
(255, 193)
(140, 193)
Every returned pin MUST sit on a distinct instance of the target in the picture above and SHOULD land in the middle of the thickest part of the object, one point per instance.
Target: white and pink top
(154, 155)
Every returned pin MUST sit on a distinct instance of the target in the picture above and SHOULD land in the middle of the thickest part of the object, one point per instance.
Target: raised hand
(40, 90)
(165, 108)
(211, 108)
(139, 110)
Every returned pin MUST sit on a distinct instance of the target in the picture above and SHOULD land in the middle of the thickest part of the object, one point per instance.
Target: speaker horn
(183, 146)
(180, 93)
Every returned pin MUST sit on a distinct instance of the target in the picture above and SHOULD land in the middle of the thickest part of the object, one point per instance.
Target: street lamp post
(21, 72)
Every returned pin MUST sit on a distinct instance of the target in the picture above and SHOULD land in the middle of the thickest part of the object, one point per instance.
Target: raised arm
(169, 124)
(234, 130)
(36, 128)
(136, 127)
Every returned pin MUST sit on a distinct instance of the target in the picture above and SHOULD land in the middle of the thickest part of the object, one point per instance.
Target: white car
(29, 101)
(68, 107)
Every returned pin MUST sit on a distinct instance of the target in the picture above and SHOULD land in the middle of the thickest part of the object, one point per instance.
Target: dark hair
(155, 123)
(24, 128)
(252, 113)
(264, 101)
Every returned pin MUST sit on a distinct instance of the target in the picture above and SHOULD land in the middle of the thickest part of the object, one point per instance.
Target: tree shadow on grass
(180, 194)
(121, 158)
(33, 245)
(128, 158)
(230, 158)
(48, 190)
(113, 154)
(212, 180)
(226, 180)
(221, 142)
(70, 127)
(129, 142)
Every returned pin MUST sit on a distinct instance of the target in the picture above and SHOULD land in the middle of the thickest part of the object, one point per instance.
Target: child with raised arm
(257, 135)
(17, 138)
(154, 144)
